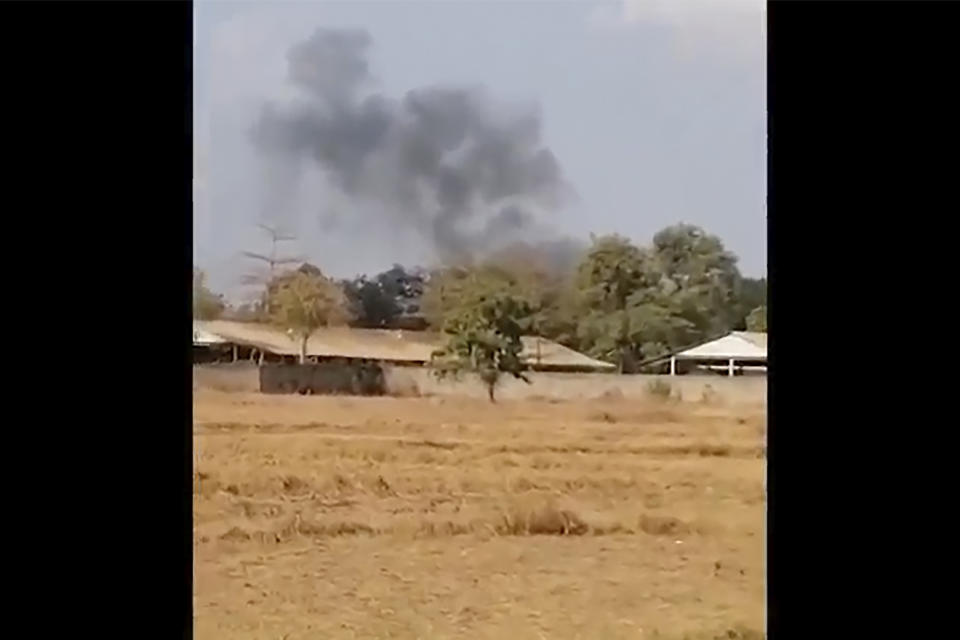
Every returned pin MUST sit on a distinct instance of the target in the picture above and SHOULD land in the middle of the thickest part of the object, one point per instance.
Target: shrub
(709, 395)
(663, 525)
(547, 520)
(659, 388)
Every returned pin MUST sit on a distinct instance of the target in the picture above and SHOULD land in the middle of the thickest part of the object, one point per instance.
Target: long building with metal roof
(387, 345)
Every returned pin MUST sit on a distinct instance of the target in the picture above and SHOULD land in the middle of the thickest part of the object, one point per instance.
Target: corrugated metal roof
(737, 345)
(756, 337)
(380, 344)
(552, 354)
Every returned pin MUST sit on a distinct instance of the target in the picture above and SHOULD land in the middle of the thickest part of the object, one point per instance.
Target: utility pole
(274, 260)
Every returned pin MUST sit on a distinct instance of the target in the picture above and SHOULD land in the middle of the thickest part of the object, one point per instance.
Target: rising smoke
(467, 173)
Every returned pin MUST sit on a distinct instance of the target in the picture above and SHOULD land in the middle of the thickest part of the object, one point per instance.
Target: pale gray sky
(654, 109)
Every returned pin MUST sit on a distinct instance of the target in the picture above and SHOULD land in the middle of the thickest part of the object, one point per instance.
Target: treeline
(612, 299)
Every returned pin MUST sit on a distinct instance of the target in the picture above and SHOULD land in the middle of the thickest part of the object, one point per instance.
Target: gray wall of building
(405, 381)
(239, 376)
(354, 378)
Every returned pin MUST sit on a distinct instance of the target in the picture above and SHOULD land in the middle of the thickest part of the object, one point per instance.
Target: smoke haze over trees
(472, 177)
(619, 302)
(613, 300)
(645, 137)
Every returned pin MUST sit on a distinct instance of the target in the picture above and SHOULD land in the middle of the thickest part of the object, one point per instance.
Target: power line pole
(273, 260)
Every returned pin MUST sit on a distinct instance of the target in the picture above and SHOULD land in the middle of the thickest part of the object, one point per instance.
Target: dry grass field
(335, 517)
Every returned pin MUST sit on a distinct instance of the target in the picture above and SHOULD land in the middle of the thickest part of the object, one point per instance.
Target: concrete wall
(239, 376)
(353, 378)
(416, 381)
(568, 386)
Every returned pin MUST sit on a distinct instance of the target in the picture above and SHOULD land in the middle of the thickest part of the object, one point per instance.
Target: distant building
(226, 340)
(737, 353)
(202, 337)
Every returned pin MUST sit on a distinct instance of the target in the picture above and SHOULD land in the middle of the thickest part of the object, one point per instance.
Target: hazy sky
(654, 110)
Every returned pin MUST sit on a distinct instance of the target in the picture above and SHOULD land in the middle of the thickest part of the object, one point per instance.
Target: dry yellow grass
(320, 517)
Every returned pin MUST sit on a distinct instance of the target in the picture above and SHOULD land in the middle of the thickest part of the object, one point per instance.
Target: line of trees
(619, 302)
(613, 300)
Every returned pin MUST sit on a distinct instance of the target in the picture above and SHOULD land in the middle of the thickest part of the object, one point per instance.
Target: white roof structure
(202, 337)
(739, 345)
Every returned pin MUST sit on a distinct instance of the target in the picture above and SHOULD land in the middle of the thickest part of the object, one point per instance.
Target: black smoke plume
(469, 174)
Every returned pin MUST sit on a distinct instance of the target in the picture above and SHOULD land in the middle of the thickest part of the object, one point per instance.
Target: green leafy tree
(543, 274)
(450, 290)
(757, 320)
(613, 300)
(604, 335)
(558, 315)
(612, 270)
(702, 275)
(751, 293)
(636, 304)
(540, 274)
(404, 285)
(656, 326)
(484, 337)
(445, 290)
(626, 337)
(304, 300)
(372, 306)
(381, 300)
(207, 305)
